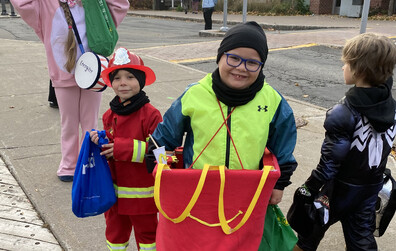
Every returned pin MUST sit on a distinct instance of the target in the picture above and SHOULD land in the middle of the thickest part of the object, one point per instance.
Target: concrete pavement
(279, 23)
(30, 149)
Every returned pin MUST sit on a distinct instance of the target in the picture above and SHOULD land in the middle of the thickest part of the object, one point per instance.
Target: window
(357, 2)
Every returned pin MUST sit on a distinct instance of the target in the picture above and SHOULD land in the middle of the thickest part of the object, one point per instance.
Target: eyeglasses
(250, 64)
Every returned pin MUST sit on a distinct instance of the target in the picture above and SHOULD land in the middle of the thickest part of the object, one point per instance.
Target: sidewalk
(280, 23)
(30, 149)
(274, 22)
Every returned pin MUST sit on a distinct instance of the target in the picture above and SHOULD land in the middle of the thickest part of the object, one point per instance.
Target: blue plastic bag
(93, 190)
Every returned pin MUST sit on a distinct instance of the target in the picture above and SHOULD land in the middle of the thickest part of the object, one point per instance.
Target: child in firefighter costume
(257, 115)
(128, 123)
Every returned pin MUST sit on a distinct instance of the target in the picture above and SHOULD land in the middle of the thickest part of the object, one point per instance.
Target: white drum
(88, 69)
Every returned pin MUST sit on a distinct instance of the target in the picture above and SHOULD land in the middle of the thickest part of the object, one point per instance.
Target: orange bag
(213, 208)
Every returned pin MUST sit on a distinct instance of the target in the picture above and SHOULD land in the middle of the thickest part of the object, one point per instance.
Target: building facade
(350, 8)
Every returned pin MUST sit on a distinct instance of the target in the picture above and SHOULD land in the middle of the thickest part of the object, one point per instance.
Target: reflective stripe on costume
(113, 246)
(139, 149)
(134, 192)
(150, 246)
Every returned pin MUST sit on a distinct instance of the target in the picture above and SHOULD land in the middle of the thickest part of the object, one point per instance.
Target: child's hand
(109, 150)
(276, 197)
(94, 136)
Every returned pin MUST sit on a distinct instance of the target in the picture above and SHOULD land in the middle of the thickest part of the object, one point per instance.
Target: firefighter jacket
(265, 121)
(134, 186)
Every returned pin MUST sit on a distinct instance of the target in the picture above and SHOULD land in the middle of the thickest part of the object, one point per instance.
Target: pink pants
(77, 107)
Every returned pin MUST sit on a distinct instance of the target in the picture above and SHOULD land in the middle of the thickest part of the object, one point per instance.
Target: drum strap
(77, 34)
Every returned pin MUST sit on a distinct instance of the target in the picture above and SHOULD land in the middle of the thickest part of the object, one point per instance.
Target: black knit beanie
(139, 75)
(249, 35)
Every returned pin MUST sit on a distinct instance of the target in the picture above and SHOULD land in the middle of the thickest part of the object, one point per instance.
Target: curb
(9, 16)
(211, 33)
(263, 25)
(46, 224)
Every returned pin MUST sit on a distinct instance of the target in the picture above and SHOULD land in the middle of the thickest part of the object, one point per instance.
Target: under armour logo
(262, 108)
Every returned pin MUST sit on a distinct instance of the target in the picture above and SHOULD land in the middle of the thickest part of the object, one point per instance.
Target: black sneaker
(53, 105)
(66, 178)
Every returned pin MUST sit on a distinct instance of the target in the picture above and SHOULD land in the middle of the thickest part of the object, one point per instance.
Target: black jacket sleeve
(339, 125)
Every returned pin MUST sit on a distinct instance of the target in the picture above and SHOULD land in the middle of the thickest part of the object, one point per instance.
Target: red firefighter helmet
(123, 58)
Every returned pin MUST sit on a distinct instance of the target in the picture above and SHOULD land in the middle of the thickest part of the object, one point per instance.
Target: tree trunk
(391, 7)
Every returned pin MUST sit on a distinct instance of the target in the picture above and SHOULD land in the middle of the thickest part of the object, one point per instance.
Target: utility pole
(225, 7)
(244, 11)
(363, 24)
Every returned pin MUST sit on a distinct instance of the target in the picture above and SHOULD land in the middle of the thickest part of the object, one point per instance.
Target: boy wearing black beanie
(256, 115)
(249, 35)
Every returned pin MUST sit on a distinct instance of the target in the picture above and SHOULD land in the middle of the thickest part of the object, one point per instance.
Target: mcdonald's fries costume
(230, 116)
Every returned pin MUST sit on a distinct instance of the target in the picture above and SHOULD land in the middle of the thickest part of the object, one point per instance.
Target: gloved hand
(319, 209)
(150, 157)
(300, 215)
(304, 193)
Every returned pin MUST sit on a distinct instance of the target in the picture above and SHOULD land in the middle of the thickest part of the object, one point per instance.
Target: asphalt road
(142, 32)
(312, 74)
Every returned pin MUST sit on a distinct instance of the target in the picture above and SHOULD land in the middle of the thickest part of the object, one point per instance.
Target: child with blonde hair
(360, 130)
